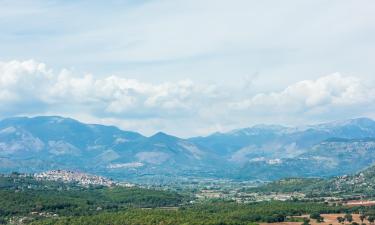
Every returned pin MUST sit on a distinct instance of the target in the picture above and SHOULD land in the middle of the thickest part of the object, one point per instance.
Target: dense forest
(24, 196)
(290, 185)
(205, 213)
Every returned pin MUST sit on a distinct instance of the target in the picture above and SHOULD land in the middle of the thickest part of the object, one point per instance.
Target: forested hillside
(361, 183)
(23, 196)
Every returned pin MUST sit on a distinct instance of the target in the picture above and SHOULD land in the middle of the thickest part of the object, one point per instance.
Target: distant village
(83, 179)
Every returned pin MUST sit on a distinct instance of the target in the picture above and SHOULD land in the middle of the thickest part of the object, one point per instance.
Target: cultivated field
(328, 219)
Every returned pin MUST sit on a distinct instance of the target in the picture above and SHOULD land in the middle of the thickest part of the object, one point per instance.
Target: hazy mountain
(163, 154)
(259, 152)
(35, 144)
(271, 142)
(329, 158)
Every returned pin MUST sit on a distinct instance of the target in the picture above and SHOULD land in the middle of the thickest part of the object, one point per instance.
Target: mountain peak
(362, 121)
(256, 129)
(161, 135)
(268, 127)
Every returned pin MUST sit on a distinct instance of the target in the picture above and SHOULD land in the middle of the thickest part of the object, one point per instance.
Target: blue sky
(202, 65)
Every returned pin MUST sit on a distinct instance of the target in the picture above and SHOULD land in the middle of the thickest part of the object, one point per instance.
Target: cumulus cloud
(181, 107)
(333, 90)
(23, 83)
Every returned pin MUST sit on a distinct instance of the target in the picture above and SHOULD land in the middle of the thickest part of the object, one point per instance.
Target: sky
(188, 68)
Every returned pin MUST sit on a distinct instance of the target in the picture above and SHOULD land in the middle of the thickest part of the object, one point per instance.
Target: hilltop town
(80, 178)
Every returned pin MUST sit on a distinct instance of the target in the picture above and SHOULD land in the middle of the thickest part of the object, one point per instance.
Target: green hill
(359, 184)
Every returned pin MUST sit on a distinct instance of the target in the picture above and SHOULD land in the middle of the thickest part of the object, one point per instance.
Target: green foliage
(317, 217)
(348, 217)
(362, 217)
(345, 186)
(22, 196)
(371, 218)
(340, 219)
(288, 185)
(306, 221)
(205, 213)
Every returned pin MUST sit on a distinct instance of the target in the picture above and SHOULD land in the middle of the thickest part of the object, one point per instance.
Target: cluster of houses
(83, 179)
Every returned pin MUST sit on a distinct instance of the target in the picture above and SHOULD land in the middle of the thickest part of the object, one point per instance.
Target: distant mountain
(163, 154)
(273, 142)
(266, 152)
(44, 143)
(273, 152)
(332, 157)
(39, 143)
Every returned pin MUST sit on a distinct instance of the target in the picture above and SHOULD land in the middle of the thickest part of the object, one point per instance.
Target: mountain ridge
(265, 152)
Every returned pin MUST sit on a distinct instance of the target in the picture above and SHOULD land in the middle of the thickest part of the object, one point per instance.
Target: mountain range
(265, 152)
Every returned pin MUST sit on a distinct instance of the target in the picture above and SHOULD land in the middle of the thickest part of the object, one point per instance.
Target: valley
(67, 197)
(27, 199)
(60, 171)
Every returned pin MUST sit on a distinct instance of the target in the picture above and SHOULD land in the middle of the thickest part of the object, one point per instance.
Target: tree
(317, 217)
(362, 217)
(371, 219)
(348, 217)
(306, 221)
(314, 215)
(340, 219)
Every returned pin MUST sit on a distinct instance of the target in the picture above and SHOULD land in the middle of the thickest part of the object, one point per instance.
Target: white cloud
(24, 82)
(182, 107)
(328, 91)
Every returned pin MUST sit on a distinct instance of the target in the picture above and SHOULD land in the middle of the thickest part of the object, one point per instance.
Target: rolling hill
(359, 184)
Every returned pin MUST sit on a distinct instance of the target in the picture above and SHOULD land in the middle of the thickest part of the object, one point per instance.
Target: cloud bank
(182, 107)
